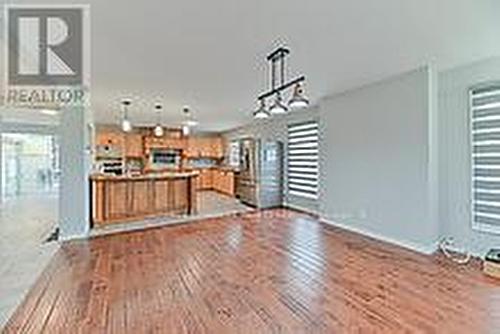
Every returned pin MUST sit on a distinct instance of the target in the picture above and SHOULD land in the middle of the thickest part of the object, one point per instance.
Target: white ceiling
(211, 54)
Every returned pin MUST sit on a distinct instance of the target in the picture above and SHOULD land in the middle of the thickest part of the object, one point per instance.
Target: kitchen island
(117, 199)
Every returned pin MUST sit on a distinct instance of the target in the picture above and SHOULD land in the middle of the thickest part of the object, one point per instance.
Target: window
(302, 157)
(234, 153)
(485, 128)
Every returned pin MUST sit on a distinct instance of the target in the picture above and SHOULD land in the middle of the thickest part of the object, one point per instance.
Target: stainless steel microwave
(165, 158)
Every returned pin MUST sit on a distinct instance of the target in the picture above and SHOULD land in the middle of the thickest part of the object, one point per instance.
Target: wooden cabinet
(220, 180)
(110, 138)
(119, 199)
(224, 181)
(134, 147)
(205, 147)
(164, 143)
(206, 179)
(217, 147)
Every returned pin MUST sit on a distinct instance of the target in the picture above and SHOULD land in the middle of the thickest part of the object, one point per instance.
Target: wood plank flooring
(275, 271)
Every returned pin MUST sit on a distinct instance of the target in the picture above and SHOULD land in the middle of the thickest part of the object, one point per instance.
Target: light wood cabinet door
(194, 147)
(110, 138)
(117, 193)
(151, 142)
(133, 146)
(216, 147)
(205, 147)
(206, 179)
(224, 182)
(197, 182)
(229, 183)
(217, 179)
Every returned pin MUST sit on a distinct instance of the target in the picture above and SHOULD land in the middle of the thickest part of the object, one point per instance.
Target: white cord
(446, 246)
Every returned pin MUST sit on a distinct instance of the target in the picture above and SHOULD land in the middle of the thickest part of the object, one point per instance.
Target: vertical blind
(485, 127)
(302, 159)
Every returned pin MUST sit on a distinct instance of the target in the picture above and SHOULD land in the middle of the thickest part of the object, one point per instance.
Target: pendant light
(261, 112)
(189, 118)
(158, 130)
(298, 99)
(278, 107)
(126, 124)
(278, 85)
(189, 121)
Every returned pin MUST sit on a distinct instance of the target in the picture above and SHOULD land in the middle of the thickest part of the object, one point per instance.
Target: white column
(1, 156)
(74, 201)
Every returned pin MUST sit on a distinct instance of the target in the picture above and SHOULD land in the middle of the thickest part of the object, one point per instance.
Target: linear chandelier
(277, 64)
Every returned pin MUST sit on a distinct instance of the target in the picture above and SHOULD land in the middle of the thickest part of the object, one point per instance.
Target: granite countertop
(221, 168)
(149, 176)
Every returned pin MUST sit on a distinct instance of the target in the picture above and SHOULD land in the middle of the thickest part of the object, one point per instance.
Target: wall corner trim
(419, 248)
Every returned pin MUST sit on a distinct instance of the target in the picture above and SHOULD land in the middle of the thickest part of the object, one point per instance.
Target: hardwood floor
(274, 271)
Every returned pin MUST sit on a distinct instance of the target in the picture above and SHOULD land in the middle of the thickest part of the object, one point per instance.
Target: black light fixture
(126, 124)
(278, 107)
(189, 120)
(158, 130)
(261, 112)
(277, 61)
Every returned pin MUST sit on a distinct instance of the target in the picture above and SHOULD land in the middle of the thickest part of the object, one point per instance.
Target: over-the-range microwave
(165, 158)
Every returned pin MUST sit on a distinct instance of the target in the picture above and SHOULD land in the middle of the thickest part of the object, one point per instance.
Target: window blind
(302, 159)
(485, 127)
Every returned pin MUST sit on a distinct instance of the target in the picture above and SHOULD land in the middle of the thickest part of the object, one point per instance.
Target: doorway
(29, 199)
(30, 165)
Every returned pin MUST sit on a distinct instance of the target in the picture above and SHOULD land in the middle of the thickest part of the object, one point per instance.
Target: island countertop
(117, 199)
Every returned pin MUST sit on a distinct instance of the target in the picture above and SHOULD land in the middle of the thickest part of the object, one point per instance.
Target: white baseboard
(300, 208)
(424, 249)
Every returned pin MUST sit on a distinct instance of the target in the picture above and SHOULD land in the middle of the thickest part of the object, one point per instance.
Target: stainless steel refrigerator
(260, 180)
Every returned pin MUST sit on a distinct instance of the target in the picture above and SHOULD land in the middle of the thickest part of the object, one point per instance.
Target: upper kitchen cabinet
(109, 137)
(172, 139)
(134, 146)
(217, 146)
(205, 147)
(109, 143)
(113, 143)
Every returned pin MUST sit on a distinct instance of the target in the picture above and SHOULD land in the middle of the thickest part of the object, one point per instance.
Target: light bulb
(261, 112)
(278, 107)
(298, 99)
(185, 130)
(158, 131)
(126, 125)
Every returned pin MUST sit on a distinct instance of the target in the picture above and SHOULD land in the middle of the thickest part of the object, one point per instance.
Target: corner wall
(74, 193)
(378, 159)
(455, 152)
(378, 167)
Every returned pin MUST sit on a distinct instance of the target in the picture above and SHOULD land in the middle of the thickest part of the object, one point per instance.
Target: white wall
(379, 170)
(454, 146)
(74, 195)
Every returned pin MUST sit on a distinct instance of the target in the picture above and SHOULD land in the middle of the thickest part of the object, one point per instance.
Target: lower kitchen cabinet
(224, 182)
(216, 179)
(206, 179)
